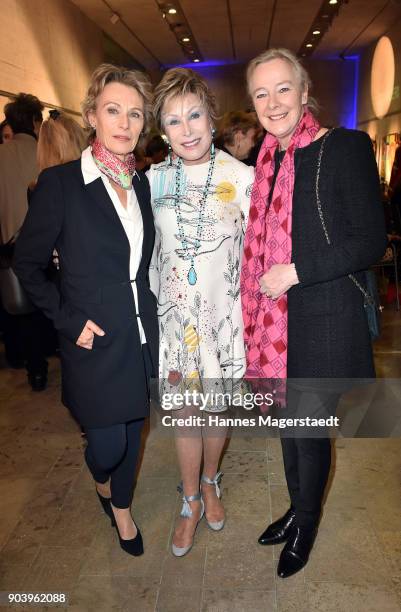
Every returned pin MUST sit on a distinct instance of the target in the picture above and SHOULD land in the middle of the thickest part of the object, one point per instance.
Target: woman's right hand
(85, 340)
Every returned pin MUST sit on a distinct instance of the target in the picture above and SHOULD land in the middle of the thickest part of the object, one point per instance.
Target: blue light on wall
(208, 64)
(352, 103)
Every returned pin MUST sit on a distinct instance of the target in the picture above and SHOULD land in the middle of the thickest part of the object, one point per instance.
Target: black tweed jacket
(328, 334)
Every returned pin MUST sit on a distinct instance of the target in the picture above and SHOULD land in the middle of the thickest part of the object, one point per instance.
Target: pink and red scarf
(268, 242)
(121, 172)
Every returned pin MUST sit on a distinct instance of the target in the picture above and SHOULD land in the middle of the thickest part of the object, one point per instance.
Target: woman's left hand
(278, 280)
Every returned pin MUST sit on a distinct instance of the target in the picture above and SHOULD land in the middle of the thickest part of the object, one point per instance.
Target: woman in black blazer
(315, 218)
(96, 213)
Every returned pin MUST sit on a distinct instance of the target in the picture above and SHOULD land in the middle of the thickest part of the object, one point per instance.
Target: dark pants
(28, 339)
(112, 452)
(307, 460)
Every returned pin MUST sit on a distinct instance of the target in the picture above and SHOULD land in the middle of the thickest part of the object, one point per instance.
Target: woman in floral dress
(200, 200)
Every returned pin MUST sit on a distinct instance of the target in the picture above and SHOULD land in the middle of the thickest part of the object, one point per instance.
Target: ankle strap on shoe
(186, 511)
(215, 481)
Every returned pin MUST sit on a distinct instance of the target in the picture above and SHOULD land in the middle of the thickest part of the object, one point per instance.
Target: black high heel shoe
(135, 545)
(278, 531)
(106, 505)
(295, 553)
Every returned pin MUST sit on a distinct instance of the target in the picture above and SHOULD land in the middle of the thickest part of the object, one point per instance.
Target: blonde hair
(178, 82)
(108, 73)
(233, 122)
(289, 57)
(61, 140)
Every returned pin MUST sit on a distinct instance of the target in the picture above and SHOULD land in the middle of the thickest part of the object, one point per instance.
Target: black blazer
(106, 385)
(328, 334)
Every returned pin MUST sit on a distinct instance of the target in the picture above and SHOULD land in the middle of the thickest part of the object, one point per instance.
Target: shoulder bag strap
(368, 298)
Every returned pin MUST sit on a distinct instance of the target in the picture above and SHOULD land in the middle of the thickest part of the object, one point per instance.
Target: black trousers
(307, 453)
(28, 339)
(112, 452)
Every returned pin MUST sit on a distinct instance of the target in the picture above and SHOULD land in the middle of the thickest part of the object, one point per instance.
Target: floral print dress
(201, 330)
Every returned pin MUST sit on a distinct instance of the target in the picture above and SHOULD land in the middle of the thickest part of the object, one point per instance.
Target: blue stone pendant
(192, 277)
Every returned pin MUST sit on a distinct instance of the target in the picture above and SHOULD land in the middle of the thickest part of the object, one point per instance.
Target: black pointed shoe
(295, 553)
(278, 531)
(134, 546)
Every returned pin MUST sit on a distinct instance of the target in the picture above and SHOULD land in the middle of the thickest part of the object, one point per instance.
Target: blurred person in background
(394, 188)
(18, 168)
(259, 137)
(6, 133)
(154, 152)
(141, 161)
(236, 134)
(156, 149)
(18, 164)
(61, 139)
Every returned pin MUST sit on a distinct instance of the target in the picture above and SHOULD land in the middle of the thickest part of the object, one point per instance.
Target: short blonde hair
(289, 57)
(61, 139)
(108, 73)
(178, 82)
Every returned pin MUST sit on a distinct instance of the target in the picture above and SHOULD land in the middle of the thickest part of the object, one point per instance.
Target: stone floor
(54, 538)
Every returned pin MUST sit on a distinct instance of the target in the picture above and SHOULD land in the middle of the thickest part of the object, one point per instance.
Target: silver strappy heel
(186, 512)
(215, 525)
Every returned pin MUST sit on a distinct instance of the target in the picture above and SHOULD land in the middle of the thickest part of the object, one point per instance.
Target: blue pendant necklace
(190, 252)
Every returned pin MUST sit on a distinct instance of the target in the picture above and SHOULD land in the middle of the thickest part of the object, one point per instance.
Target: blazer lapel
(143, 197)
(99, 194)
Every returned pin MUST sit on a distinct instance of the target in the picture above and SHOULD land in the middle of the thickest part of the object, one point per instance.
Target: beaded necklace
(190, 252)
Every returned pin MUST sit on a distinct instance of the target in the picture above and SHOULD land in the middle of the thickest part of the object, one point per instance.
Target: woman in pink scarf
(303, 316)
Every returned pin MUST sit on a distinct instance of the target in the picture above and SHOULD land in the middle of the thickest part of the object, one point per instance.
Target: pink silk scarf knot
(121, 172)
(268, 242)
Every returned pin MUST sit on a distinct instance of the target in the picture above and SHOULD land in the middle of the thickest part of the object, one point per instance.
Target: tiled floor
(54, 538)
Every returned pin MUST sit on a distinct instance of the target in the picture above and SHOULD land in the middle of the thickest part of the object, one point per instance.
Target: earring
(169, 155)
(212, 147)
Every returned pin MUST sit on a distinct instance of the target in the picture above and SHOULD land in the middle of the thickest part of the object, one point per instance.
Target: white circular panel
(382, 76)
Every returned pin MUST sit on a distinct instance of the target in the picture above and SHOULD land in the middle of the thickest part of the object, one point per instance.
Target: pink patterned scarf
(121, 172)
(268, 242)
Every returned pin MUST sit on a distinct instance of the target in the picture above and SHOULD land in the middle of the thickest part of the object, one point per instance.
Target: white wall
(47, 48)
(390, 123)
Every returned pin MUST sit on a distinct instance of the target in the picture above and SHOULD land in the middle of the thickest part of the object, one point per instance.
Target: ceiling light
(196, 60)
(333, 1)
(173, 11)
(185, 39)
(316, 32)
(309, 45)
